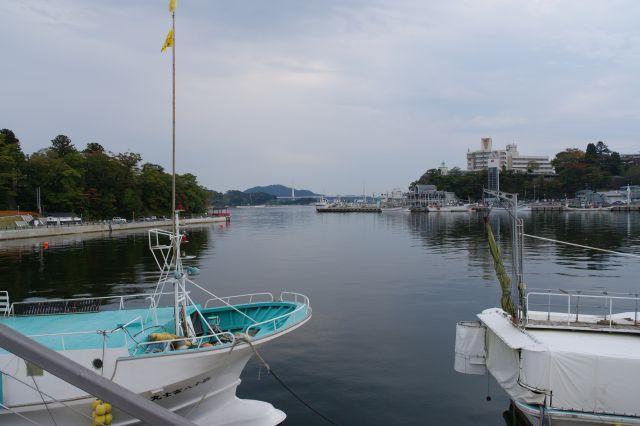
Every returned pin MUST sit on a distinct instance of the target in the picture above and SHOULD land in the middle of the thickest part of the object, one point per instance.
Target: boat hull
(199, 384)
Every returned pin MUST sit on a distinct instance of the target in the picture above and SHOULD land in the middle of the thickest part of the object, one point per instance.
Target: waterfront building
(508, 158)
(630, 160)
(494, 174)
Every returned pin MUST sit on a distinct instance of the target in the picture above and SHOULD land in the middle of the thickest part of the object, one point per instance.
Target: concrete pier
(48, 231)
(348, 209)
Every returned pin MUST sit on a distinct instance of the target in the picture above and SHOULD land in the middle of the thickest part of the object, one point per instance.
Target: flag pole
(173, 74)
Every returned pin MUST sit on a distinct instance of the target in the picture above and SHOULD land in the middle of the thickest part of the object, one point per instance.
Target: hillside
(281, 191)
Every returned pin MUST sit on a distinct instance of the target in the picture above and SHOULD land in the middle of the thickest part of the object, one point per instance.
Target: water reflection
(85, 265)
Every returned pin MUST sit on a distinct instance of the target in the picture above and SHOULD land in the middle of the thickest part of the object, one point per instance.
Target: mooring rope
(45, 394)
(582, 246)
(247, 339)
(19, 415)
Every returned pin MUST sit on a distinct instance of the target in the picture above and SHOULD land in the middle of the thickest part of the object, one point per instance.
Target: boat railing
(104, 333)
(582, 309)
(159, 346)
(61, 336)
(281, 322)
(294, 297)
(248, 298)
(74, 305)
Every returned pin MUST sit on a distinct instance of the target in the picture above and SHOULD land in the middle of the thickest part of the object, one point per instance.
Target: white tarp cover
(586, 371)
(503, 363)
(470, 354)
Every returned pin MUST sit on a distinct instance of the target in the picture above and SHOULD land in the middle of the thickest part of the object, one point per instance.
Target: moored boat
(184, 355)
(564, 357)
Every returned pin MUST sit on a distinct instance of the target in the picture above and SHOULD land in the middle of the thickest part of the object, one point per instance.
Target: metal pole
(71, 372)
(173, 92)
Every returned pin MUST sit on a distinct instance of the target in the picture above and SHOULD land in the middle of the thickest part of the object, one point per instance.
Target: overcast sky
(331, 95)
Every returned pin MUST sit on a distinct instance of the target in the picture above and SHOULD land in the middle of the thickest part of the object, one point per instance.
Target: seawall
(48, 231)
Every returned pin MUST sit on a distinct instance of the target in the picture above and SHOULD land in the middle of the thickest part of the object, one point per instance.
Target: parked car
(119, 220)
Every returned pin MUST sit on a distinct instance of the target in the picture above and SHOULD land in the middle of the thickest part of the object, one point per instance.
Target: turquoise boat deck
(127, 328)
(80, 331)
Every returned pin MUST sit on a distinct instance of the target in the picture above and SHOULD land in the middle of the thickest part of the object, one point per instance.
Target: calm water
(386, 289)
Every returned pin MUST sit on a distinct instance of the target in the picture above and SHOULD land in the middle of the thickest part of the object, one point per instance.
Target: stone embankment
(48, 231)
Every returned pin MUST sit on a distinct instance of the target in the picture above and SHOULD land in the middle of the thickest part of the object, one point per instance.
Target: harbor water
(386, 291)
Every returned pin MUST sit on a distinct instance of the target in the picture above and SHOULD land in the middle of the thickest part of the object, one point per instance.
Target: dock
(348, 209)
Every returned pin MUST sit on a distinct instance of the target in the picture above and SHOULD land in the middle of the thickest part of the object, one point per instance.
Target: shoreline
(51, 231)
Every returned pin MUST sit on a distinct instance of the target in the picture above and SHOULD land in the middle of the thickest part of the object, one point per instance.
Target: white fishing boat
(321, 203)
(184, 355)
(394, 209)
(564, 357)
(453, 208)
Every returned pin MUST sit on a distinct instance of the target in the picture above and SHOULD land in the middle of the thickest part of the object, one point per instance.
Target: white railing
(297, 298)
(249, 299)
(280, 322)
(104, 333)
(120, 301)
(61, 336)
(596, 309)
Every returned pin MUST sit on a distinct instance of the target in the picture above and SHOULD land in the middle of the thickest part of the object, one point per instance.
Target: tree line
(93, 182)
(596, 168)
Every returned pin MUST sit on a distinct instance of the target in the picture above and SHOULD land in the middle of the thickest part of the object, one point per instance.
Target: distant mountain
(281, 191)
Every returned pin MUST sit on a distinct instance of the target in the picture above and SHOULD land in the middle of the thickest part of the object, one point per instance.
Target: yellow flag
(168, 42)
(172, 5)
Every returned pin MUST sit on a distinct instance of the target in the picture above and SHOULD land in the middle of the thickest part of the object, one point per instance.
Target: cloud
(331, 94)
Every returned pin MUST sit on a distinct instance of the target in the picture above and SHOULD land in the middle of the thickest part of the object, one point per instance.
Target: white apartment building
(508, 158)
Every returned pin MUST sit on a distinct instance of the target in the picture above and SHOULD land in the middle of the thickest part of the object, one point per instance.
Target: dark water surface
(386, 291)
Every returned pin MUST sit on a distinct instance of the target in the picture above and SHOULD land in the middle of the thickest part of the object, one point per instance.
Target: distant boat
(394, 209)
(449, 209)
(251, 206)
(321, 203)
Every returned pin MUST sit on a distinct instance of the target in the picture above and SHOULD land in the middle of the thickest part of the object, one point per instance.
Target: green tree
(62, 146)
(11, 164)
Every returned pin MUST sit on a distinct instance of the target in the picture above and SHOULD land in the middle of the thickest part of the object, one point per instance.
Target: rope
(582, 246)
(19, 415)
(43, 401)
(45, 394)
(284, 385)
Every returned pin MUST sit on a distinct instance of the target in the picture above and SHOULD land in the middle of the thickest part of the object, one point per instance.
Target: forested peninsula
(92, 183)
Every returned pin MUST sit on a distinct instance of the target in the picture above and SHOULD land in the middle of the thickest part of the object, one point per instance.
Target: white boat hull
(182, 381)
(572, 376)
(179, 382)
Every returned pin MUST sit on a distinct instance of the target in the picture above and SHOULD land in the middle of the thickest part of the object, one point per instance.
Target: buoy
(45, 245)
(184, 237)
(101, 414)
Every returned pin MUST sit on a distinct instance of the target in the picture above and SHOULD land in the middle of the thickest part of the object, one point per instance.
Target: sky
(336, 96)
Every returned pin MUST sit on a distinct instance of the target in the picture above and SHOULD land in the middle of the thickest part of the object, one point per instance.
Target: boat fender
(192, 270)
(101, 414)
